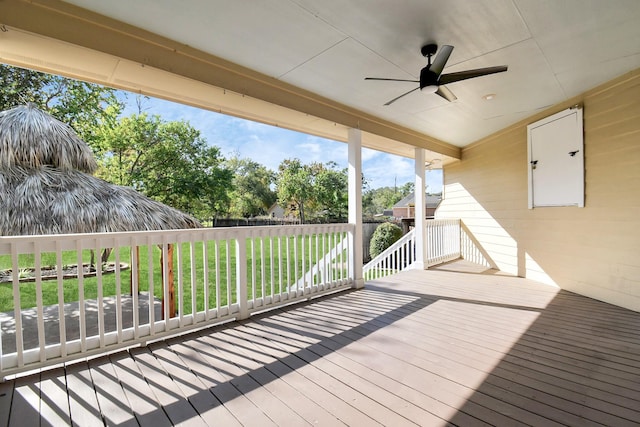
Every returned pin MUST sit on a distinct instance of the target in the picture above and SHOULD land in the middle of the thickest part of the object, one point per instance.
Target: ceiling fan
(431, 77)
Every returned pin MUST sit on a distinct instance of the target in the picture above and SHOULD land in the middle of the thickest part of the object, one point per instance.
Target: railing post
(355, 207)
(241, 277)
(420, 210)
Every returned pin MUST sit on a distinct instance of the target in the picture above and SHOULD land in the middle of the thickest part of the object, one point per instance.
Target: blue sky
(270, 145)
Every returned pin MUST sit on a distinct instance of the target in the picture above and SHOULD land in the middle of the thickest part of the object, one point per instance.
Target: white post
(355, 205)
(241, 277)
(420, 210)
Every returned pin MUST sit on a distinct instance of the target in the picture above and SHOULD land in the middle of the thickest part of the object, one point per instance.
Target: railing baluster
(280, 272)
(82, 319)
(118, 279)
(181, 301)
(253, 288)
(17, 310)
(194, 281)
(241, 277)
(288, 265)
(295, 262)
(205, 279)
(229, 269)
(152, 293)
(311, 256)
(218, 267)
(135, 288)
(40, 308)
(61, 315)
(100, 290)
(273, 272)
(302, 245)
(263, 271)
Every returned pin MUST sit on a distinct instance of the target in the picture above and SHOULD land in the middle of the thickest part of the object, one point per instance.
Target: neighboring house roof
(431, 201)
(276, 211)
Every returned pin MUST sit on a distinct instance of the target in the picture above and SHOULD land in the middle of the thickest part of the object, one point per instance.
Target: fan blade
(444, 92)
(441, 59)
(391, 80)
(398, 97)
(469, 74)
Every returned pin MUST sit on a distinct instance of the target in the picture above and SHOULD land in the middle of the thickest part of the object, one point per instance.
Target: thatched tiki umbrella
(46, 186)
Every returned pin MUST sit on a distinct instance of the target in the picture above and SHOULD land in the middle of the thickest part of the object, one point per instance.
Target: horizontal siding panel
(593, 250)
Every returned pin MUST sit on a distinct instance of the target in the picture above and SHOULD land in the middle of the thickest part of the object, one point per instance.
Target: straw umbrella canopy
(46, 186)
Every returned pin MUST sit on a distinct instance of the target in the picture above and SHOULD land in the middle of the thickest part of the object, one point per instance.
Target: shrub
(386, 234)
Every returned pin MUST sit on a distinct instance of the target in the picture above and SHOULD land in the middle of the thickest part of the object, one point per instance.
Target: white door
(556, 160)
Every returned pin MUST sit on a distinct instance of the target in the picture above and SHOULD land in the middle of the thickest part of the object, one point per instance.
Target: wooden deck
(450, 346)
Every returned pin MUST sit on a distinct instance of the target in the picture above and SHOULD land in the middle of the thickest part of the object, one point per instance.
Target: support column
(420, 210)
(355, 206)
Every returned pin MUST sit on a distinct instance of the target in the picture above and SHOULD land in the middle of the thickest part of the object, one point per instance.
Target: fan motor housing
(428, 79)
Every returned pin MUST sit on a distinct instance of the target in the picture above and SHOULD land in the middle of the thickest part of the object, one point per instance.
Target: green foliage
(375, 201)
(313, 190)
(331, 192)
(295, 185)
(167, 161)
(385, 235)
(83, 106)
(251, 194)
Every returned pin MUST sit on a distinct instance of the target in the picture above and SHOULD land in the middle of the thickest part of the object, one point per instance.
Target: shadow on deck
(453, 345)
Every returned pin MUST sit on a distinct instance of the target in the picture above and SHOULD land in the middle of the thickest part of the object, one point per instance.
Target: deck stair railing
(155, 284)
(333, 261)
(442, 244)
(399, 256)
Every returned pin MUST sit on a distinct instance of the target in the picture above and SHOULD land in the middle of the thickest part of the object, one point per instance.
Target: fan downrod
(429, 49)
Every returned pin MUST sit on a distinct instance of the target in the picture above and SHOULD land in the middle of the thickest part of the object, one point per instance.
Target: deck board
(54, 403)
(139, 394)
(455, 345)
(83, 403)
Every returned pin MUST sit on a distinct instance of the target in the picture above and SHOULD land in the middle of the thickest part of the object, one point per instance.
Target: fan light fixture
(429, 89)
(432, 80)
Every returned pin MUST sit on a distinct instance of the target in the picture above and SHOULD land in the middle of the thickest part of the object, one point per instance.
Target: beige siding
(593, 250)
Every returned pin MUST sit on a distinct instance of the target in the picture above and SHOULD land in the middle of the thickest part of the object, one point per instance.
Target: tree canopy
(168, 161)
(83, 106)
(375, 201)
(252, 192)
(313, 190)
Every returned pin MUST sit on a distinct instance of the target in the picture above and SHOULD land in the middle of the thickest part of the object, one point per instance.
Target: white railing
(443, 241)
(397, 257)
(156, 284)
(442, 244)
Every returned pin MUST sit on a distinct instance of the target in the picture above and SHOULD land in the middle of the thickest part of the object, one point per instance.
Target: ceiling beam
(62, 21)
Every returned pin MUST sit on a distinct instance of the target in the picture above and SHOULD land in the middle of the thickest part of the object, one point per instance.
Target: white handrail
(397, 257)
(219, 274)
(443, 238)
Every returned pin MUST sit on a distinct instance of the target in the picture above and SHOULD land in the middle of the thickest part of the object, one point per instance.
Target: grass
(217, 266)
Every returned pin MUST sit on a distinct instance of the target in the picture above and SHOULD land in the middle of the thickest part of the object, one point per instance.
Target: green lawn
(90, 284)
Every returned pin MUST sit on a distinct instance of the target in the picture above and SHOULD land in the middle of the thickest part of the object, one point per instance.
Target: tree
(313, 190)
(331, 191)
(375, 201)
(168, 161)
(295, 185)
(83, 106)
(252, 194)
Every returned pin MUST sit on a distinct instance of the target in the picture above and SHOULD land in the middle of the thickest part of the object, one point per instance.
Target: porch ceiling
(301, 63)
